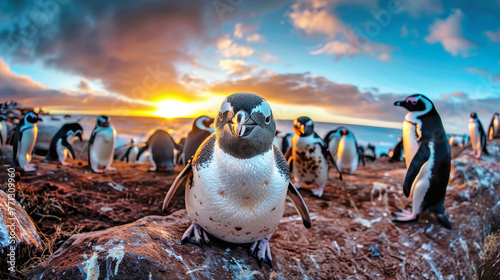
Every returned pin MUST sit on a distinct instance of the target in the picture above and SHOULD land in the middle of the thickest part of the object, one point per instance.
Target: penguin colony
(238, 174)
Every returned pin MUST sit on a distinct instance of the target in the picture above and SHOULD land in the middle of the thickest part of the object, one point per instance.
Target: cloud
(422, 7)
(493, 35)
(237, 67)
(474, 70)
(340, 49)
(254, 38)
(448, 32)
(228, 48)
(404, 31)
(33, 94)
(241, 30)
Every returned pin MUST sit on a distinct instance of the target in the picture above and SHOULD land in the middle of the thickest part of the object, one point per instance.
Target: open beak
(240, 123)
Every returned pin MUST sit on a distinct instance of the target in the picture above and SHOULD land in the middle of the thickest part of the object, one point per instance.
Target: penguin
(369, 152)
(61, 143)
(286, 143)
(161, 150)
(196, 136)
(102, 145)
(3, 133)
(237, 181)
(397, 152)
(24, 141)
(310, 157)
(477, 136)
(348, 154)
(494, 130)
(428, 160)
(130, 155)
(332, 139)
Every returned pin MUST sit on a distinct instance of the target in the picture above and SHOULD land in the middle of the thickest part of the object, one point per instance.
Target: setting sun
(172, 109)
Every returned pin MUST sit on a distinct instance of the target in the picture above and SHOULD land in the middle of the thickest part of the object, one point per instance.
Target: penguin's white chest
(3, 132)
(103, 147)
(133, 155)
(309, 163)
(475, 135)
(347, 153)
(27, 142)
(410, 141)
(237, 200)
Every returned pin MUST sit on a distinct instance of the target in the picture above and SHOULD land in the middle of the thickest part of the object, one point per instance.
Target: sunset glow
(173, 109)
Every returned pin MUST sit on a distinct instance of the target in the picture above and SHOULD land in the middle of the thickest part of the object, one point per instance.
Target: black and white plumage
(62, 141)
(101, 145)
(131, 153)
(24, 141)
(494, 128)
(237, 181)
(428, 160)
(310, 157)
(396, 153)
(198, 134)
(344, 149)
(477, 136)
(161, 151)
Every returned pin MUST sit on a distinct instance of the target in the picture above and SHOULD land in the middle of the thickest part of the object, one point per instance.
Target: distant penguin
(61, 143)
(286, 142)
(494, 128)
(196, 136)
(3, 131)
(332, 139)
(427, 154)
(477, 136)
(102, 145)
(396, 153)
(309, 156)
(369, 152)
(161, 150)
(348, 154)
(238, 181)
(24, 141)
(130, 155)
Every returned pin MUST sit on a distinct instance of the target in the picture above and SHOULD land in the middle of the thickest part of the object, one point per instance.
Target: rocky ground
(352, 236)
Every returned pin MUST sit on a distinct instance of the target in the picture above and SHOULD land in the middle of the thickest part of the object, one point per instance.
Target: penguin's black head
(73, 129)
(245, 125)
(496, 114)
(416, 103)
(32, 117)
(303, 126)
(202, 123)
(103, 121)
(473, 115)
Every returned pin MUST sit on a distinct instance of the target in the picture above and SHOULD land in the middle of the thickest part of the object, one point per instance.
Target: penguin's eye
(268, 119)
(220, 116)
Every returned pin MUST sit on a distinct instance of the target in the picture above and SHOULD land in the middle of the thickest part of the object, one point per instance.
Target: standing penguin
(332, 140)
(397, 152)
(428, 159)
(130, 155)
(198, 134)
(348, 154)
(3, 133)
(309, 156)
(237, 181)
(61, 143)
(161, 150)
(102, 145)
(494, 129)
(477, 136)
(286, 142)
(24, 141)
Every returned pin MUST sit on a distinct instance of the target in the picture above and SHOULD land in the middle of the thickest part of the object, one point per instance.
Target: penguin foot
(195, 235)
(443, 220)
(318, 192)
(262, 252)
(29, 168)
(404, 217)
(66, 163)
(109, 168)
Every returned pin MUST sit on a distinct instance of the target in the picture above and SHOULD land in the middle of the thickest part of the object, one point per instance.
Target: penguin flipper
(187, 171)
(299, 204)
(142, 150)
(70, 149)
(328, 156)
(420, 158)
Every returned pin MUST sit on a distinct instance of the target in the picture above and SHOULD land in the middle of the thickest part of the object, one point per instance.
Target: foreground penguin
(102, 145)
(309, 156)
(428, 160)
(24, 141)
(237, 181)
(494, 129)
(477, 136)
(198, 134)
(61, 143)
(161, 150)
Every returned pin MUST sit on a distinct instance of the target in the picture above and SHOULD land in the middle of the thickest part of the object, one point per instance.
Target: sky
(343, 61)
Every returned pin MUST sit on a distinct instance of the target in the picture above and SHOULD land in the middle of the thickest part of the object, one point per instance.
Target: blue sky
(339, 61)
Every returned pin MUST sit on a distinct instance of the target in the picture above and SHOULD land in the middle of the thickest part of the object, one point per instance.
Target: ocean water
(141, 128)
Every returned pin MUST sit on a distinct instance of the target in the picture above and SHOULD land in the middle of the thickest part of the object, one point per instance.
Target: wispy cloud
(493, 35)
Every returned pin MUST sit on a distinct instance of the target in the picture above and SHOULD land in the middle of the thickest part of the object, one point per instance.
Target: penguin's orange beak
(302, 129)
